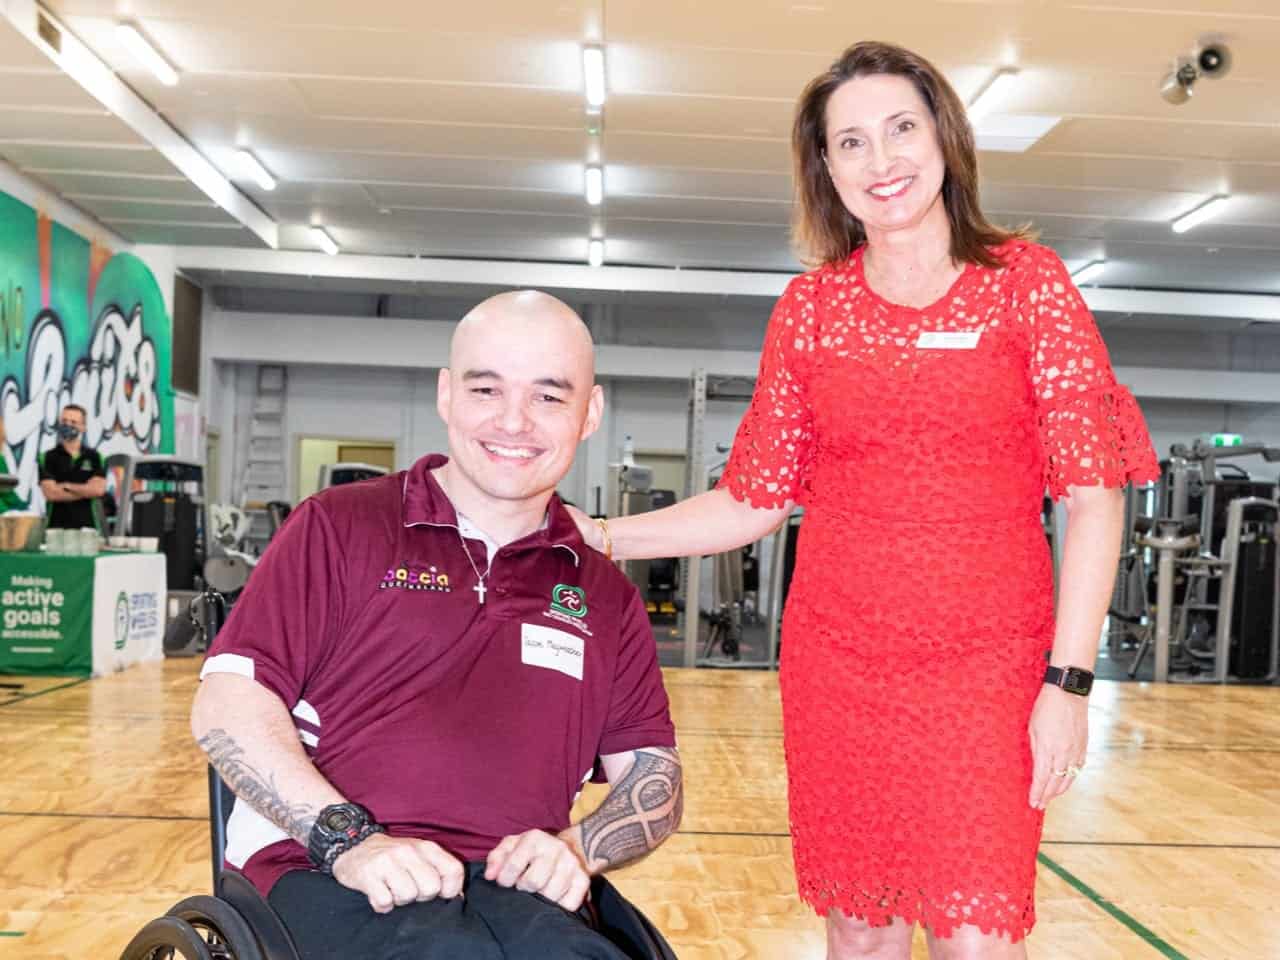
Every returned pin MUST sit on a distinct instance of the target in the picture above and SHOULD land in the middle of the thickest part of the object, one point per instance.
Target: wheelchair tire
(226, 933)
(167, 938)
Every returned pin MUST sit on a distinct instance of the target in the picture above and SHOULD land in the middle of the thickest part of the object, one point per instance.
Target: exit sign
(1227, 440)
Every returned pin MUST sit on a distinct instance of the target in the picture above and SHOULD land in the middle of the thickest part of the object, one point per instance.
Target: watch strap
(326, 844)
(1070, 679)
(341, 846)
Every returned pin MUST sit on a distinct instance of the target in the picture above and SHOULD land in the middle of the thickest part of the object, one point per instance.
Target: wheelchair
(238, 923)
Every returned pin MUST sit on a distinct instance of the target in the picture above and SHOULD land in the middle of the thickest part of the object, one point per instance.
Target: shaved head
(522, 314)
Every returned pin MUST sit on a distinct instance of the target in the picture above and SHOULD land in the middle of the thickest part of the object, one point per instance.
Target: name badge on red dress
(948, 340)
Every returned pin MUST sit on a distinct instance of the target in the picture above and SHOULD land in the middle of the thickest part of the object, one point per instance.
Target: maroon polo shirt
(452, 720)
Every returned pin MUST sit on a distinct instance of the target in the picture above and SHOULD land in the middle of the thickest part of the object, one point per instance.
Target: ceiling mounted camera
(1176, 87)
(1210, 58)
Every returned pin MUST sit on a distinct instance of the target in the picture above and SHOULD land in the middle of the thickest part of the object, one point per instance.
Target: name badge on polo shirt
(552, 649)
(948, 340)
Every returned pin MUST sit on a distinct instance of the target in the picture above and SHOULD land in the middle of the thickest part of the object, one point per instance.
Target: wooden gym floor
(1169, 846)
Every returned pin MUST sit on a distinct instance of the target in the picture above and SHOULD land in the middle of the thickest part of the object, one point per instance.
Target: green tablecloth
(80, 616)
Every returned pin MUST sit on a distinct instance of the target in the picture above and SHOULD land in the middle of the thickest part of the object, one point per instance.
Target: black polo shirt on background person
(61, 467)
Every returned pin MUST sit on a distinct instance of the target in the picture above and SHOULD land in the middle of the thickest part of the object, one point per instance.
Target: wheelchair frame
(237, 922)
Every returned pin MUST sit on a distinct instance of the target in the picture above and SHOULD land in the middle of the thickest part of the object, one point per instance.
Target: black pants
(488, 922)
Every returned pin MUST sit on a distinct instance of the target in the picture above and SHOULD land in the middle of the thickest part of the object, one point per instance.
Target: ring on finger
(1062, 773)
(1074, 770)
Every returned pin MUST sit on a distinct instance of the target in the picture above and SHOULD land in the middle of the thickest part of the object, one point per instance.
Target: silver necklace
(480, 587)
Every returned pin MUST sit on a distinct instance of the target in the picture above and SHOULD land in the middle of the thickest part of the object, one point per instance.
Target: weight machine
(1218, 575)
(733, 607)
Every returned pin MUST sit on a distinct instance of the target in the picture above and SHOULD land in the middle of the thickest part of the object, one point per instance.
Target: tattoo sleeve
(255, 789)
(641, 810)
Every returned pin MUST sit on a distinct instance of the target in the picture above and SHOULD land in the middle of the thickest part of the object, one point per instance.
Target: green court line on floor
(1165, 948)
(12, 933)
(23, 698)
(1161, 846)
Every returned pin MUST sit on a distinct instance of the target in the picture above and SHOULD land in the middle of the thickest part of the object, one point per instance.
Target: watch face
(1077, 681)
(338, 821)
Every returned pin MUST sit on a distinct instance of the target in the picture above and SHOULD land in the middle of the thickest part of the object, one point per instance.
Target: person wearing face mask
(72, 476)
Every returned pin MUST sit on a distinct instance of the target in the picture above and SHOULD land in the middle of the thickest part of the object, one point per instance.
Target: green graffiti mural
(78, 325)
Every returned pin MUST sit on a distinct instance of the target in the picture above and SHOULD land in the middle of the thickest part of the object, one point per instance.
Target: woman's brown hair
(824, 230)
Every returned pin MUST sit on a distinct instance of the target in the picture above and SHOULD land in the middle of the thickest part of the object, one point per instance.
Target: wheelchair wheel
(226, 934)
(167, 938)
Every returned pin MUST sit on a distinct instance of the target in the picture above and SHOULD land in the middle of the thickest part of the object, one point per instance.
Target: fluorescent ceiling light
(141, 50)
(324, 241)
(254, 168)
(1090, 271)
(595, 253)
(595, 186)
(593, 76)
(1012, 132)
(990, 95)
(1207, 210)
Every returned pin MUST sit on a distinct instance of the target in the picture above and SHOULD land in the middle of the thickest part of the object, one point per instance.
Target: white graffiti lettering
(116, 383)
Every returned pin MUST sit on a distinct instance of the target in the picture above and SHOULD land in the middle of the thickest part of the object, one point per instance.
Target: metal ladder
(264, 477)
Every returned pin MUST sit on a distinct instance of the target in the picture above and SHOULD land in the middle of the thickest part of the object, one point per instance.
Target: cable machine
(1218, 571)
(733, 607)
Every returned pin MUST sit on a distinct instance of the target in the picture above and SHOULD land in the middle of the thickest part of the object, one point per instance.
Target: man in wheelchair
(425, 668)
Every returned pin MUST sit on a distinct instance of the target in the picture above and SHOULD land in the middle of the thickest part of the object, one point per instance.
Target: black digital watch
(338, 828)
(1071, 679)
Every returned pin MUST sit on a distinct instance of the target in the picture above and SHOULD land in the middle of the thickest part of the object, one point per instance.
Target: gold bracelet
(608, 541)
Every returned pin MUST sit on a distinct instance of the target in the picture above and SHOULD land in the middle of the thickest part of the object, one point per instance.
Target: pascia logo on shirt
(410, 576)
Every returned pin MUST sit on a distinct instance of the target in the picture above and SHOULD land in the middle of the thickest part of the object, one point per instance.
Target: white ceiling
(410, 127)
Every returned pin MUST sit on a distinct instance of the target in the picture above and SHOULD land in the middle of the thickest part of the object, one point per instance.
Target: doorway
(314, 452)
(668, 469)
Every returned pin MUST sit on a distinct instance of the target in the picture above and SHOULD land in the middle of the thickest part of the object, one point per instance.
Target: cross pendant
(480, 588)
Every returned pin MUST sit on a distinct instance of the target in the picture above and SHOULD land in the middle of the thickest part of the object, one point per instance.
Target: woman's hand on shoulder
(590, 530)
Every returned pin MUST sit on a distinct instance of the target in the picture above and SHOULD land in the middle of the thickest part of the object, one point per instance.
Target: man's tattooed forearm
(253, 788)
(641, 810)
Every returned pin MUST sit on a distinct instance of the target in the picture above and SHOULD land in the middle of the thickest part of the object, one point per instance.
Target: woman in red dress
(917, 393)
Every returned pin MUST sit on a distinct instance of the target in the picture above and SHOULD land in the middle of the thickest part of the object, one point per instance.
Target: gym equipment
(1250, 591)
(189, 633)
(631, 493)
(163, 497)
(118, 468)
(228, 566)
(1171, 538)
(786, 540)
(664, 572)
(336, 474)
(1130, 612)
(735, 572)
(1226, 624)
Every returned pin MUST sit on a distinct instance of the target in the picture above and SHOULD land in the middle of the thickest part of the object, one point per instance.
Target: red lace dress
(921, 610)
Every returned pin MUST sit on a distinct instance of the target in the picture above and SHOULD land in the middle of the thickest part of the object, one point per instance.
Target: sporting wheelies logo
(569, 605)
(122, 620)
(571, 601)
